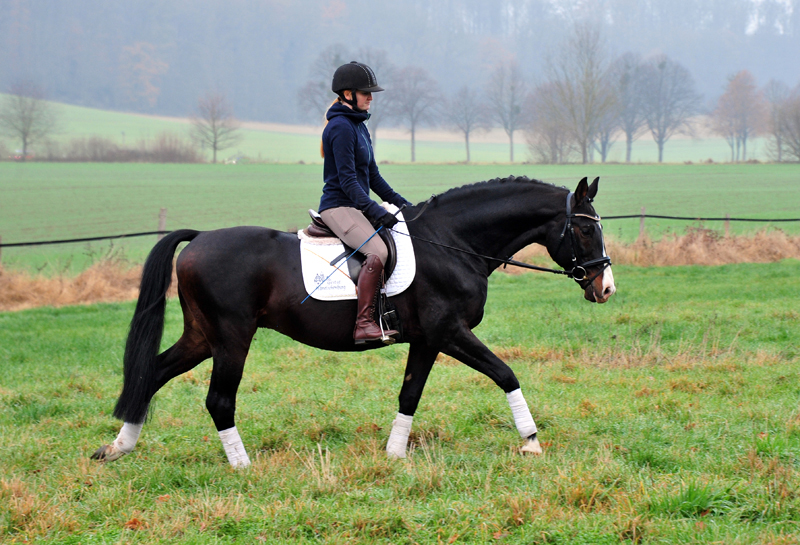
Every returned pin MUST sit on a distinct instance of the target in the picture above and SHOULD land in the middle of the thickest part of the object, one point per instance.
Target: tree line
(29, 119)
(157, 57)
(586, 102)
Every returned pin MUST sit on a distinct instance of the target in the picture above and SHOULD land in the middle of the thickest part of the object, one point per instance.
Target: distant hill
(284, 143)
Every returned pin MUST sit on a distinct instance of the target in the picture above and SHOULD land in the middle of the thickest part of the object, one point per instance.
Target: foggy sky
(160, 56)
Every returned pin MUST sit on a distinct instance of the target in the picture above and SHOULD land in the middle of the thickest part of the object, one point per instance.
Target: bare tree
(776, 94)
(316, 96)
(607, 129)
(790, 126)
(723, 122)
(740, 113)
(626, 80)
(139, 72)
(548, 139)
(505, 95)
(214, 124)
(416, 93)
(25, 115)
(669, 100)
(465, 113)
(579, 74)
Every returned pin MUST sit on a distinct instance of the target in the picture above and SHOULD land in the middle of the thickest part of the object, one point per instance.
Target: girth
(318, 228)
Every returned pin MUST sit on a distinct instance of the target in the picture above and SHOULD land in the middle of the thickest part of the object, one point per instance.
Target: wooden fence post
(641, 225)
(727, 225)
(162, 222)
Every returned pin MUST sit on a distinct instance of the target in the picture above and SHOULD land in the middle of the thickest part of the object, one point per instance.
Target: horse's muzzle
(601, 288)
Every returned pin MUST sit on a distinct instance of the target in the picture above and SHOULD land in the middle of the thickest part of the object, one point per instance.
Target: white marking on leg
(234, 448)
(522, 415)
(127, 438)
(398, 439)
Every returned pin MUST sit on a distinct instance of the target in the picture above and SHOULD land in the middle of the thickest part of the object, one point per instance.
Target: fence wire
(629, 216)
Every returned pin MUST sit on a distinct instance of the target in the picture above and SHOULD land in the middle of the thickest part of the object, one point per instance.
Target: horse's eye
(587, 230)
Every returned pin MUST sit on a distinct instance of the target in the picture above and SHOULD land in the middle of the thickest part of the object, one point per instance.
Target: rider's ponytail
(321, 148)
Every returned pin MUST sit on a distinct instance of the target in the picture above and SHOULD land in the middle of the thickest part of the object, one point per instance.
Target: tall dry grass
(113, 280)
(105, 281)
(707, 247)
(697, 246)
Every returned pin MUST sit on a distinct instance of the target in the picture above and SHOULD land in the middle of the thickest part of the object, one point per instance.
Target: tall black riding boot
(369, 285)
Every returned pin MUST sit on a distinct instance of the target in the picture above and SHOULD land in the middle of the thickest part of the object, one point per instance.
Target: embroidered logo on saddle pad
(316, 255)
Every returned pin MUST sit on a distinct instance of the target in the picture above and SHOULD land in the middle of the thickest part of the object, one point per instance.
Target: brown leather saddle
(317, 228)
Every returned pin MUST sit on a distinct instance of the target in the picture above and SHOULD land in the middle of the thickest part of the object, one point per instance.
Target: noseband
(578, 271)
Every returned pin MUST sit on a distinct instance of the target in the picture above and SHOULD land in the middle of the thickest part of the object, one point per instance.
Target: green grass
(43, 201)
(668, 415)
(283, 147)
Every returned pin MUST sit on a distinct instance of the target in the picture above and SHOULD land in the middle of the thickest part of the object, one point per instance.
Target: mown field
(43, 201)
(668, 415)
(285, 145)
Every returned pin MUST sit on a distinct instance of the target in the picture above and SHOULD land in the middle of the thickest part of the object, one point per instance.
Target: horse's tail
(147, 326)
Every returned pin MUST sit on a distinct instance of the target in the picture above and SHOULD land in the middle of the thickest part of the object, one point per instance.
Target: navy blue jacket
(350, 170)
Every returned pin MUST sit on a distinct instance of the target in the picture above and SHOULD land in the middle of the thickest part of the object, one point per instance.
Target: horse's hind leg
(190, 350)
(420, 361)
(229, 359)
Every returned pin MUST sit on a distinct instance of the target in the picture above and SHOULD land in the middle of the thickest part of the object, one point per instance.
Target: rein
(503, 261)
(577, 273)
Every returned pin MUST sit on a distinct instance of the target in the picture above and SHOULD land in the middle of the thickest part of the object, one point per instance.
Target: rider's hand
(388, 220)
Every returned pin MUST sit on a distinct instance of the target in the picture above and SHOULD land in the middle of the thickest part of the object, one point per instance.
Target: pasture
(44, 201)
(668, 415)
(291, 144)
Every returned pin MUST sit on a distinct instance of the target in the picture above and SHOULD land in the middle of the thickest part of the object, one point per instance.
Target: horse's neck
(499, 222)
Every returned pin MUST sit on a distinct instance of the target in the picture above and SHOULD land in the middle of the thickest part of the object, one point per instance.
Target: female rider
(350, 171)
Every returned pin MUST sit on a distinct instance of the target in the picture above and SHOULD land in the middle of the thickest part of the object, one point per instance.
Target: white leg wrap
(522, 415)
(398, 439)
(234, 448)
(127, 438)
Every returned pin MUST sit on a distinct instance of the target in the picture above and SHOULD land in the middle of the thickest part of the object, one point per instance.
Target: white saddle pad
(316, 255)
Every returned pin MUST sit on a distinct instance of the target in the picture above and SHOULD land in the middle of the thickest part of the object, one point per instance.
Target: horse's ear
(581, 191)
(593, 189)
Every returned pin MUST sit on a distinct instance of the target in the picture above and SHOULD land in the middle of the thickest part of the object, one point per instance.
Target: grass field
(45, 201)
(286, 146)
(669, 415)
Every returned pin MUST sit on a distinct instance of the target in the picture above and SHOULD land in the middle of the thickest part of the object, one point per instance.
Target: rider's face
(364, 100)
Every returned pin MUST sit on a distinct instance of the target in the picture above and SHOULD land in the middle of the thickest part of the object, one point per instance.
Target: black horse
(233, 281)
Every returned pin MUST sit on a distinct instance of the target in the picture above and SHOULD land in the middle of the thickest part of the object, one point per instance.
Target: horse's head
(577, 245)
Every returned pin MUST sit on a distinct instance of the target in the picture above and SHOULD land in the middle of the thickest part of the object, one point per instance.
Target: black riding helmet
(354, 76)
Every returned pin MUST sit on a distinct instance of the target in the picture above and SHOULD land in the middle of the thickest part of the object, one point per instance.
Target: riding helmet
(355, 75)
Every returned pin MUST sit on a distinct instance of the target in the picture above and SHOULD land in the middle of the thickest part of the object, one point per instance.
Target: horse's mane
(468, 189)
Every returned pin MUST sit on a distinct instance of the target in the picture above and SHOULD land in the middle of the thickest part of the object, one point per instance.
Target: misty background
(157, 57)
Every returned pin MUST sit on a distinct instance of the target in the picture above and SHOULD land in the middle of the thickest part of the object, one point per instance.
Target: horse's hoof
(531, 446)
(107, 453)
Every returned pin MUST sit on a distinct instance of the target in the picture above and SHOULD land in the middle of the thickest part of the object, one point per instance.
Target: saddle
(318, 229)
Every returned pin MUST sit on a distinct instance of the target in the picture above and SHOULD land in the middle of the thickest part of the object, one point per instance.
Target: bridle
(578, 271)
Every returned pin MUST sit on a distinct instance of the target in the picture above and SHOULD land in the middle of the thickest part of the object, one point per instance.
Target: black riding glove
(387, 220)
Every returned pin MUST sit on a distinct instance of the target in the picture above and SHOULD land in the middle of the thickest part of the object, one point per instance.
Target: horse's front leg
(468, 349)
(420, 360)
